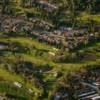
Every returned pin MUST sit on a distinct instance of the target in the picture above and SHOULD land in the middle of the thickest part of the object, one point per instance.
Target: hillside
(46, 46)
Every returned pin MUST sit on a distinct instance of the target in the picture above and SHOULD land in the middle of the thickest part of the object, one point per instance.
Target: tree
(90, 5)
(5, 4)
(26, 2)
(72, 6)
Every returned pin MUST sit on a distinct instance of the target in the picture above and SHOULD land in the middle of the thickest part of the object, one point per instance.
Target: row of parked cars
(44, 31)
(84, 86)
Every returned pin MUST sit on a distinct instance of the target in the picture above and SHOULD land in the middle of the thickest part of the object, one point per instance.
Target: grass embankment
(38, 54)
(35, 47)
(84, 17)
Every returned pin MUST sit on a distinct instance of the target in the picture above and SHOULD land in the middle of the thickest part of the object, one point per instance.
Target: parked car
(96, 98)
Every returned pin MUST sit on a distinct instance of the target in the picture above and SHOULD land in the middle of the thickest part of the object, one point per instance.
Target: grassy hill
(25, 60)
(38, 54)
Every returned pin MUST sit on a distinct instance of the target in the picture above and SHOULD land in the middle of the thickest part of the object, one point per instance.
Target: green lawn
(86, 17)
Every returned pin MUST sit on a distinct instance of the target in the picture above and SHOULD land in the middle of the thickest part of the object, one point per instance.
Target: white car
(96, 98)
